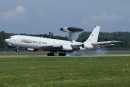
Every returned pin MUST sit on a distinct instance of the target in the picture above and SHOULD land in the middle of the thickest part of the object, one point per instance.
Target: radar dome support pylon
(71, 31)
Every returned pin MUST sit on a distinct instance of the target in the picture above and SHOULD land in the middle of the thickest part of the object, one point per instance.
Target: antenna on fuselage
(71, 31)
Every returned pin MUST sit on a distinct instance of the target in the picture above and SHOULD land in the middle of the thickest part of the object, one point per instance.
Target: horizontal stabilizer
(99, 46)
(105, 42)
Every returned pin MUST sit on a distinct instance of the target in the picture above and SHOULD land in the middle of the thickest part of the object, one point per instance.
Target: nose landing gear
(17, 50)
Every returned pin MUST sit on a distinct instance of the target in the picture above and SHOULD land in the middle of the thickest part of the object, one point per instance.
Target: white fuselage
(40, 42)
(34, 42)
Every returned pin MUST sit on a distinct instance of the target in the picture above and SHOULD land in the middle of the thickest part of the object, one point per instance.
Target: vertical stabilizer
(93, 36)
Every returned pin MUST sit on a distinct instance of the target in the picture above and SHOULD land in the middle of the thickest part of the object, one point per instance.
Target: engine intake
(87, 46)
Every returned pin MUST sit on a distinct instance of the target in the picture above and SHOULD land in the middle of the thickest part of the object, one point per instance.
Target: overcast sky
(42, 16)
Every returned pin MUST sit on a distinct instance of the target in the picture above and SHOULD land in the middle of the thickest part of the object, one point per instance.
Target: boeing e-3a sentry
(55, 45)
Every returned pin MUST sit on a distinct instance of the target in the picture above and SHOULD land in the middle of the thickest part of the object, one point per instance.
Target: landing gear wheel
(50, 54)
(17, 50)
(62, 54)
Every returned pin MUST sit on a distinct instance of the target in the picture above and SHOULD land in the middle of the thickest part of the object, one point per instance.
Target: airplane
(55, 45)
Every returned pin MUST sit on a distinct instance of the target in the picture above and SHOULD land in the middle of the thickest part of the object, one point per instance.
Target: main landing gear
(62, 54)
(52, 54)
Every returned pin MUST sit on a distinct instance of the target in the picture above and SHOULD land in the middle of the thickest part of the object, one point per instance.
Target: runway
(44, 56)
(23, 56)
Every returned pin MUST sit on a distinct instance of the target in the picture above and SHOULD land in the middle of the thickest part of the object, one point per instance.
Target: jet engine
(89, 46)
(66, 47)
(31, 49)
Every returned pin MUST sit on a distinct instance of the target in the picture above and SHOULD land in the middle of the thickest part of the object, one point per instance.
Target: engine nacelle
(87, 46)
(66, 47)
(31, 49)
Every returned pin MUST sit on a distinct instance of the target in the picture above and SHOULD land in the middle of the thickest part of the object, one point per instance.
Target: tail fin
(93, 36)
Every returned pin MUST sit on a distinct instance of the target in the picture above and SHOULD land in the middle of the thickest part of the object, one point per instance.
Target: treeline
(3, 36)
(103, 36)
(107, 36)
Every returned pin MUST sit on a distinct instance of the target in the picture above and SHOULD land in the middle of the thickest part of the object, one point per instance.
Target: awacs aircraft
(55, 45)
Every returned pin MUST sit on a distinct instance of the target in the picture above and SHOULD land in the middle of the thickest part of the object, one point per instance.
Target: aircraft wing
(105, 43)
(62, 47)
(51, 47)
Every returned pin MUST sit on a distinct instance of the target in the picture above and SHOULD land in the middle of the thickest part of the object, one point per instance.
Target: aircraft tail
(93, 38)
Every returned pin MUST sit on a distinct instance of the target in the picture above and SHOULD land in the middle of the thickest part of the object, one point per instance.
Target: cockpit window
(13, 37)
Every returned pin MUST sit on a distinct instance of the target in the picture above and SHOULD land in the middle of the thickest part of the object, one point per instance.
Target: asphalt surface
(44, 56)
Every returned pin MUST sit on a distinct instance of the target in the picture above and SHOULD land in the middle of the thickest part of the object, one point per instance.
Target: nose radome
(6, 40)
